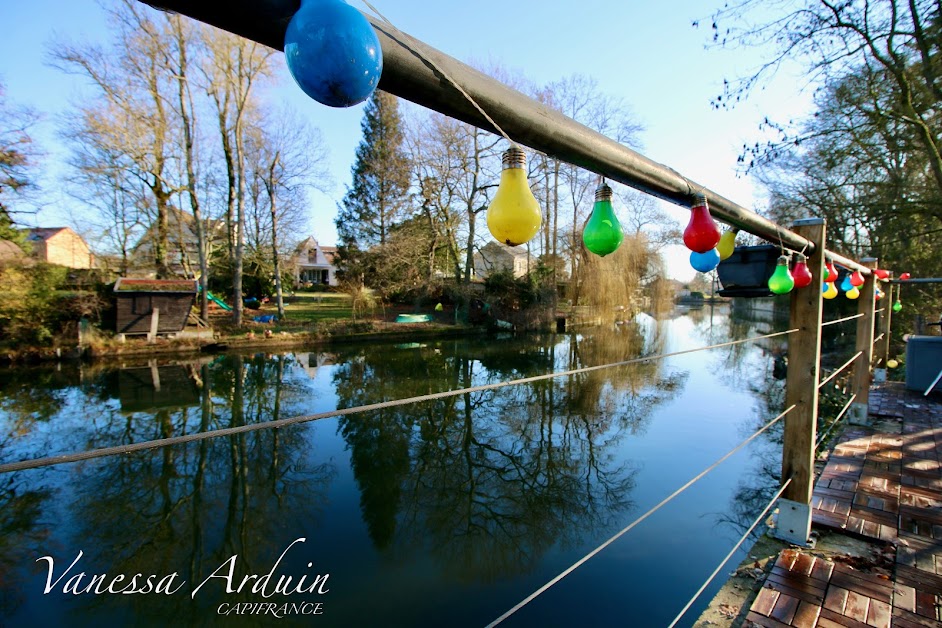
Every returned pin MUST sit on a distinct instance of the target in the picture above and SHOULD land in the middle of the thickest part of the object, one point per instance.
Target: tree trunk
(276, 258)
(188, 121)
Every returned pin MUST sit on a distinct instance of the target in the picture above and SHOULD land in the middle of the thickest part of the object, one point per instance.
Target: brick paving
(883, 485)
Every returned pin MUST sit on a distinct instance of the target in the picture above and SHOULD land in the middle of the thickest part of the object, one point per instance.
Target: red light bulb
(831, 275)
(905, 276)
(701, 234)
(801, 273)
(880, 273)
(856, 279)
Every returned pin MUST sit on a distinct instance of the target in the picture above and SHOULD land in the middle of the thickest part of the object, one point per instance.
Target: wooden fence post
(866, 304)
(801, 390)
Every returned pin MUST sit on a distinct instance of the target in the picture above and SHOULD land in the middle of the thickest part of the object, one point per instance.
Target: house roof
(330, 252)
(493, 247)
(185, 286)
(44, 233)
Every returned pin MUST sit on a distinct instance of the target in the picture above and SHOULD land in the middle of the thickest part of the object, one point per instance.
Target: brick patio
(882, 484)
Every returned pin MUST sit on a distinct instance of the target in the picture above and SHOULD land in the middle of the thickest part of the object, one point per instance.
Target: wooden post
(154, 320)
(866, 304)
(801, 390)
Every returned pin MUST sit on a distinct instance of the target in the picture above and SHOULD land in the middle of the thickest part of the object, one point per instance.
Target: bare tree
(895, 40)
(178, 59)
(580, 98)
(286, 158)
(101, 179)
(130, 114)
(456, 165)
(234, 68)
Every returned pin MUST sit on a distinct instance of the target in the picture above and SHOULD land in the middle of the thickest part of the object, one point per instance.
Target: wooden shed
(153, 306)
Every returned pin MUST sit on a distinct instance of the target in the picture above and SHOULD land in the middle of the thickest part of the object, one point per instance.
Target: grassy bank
(311, 319)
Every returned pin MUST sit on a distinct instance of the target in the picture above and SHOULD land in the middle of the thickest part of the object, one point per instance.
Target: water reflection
(489, 498)
(479, 489)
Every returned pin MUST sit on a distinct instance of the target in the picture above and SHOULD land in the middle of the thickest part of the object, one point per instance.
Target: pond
(438, 513)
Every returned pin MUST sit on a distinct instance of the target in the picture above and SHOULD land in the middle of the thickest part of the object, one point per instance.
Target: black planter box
(746, 272)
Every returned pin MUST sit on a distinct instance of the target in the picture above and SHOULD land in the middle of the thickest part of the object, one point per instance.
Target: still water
(441, 513)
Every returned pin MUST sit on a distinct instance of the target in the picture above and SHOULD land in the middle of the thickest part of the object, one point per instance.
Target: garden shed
(153, 306)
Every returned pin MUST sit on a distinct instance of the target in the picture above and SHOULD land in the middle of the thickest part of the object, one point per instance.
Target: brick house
(62, 246)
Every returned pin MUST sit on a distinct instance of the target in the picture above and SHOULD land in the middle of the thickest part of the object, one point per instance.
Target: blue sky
(646, 53)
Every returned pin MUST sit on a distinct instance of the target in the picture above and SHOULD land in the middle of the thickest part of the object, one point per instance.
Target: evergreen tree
(378, 197)
(17, 164)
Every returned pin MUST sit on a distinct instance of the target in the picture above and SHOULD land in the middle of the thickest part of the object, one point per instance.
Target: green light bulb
(602, 234)
(727, 244)
(897, 306)
(781, 281)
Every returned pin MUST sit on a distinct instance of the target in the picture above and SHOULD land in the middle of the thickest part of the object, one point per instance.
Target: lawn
(306, 308)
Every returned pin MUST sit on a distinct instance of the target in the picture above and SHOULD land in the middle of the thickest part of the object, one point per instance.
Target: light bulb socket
(514, 157)
(783, 260)
(699, 200)
(800, 258)
(603, 193)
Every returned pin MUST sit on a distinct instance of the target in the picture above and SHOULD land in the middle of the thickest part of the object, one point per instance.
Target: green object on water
(413, 318)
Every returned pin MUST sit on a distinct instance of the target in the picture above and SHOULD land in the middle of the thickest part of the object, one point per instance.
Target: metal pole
(407, 74)
(801, 389)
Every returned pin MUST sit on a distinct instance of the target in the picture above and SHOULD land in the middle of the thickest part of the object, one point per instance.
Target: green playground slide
(218, 301)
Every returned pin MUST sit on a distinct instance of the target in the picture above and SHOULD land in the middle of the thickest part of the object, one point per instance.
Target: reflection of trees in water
(29, 398)
(489, 481)
(21, 533)
(749, 367)
(754, 491)
(188, 508)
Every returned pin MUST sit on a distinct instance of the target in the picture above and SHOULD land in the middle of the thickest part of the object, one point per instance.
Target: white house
(313, 264)
(494, 256)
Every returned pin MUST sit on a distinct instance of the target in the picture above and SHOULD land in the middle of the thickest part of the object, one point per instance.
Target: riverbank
(254, 338)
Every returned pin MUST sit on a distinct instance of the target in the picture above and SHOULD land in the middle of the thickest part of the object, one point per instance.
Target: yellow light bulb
(514, 216)
(727, 243)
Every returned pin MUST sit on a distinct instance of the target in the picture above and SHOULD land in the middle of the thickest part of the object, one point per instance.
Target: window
(312, 256)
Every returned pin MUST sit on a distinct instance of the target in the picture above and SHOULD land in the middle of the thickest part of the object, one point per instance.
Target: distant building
(313, 264)
(60, 245)
(494, 257)
(183, 258)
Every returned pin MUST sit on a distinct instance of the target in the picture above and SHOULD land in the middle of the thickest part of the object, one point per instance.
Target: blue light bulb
(333, 53)
(846, 284)
(705, 262)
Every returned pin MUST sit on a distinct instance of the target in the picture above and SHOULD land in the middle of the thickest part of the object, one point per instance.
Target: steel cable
(229, 431)
(634, 523)
(840, 415)
(731, 552)
(841, 320)
(841, 369)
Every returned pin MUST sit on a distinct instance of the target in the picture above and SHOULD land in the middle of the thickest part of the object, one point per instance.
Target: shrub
(29, 312)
